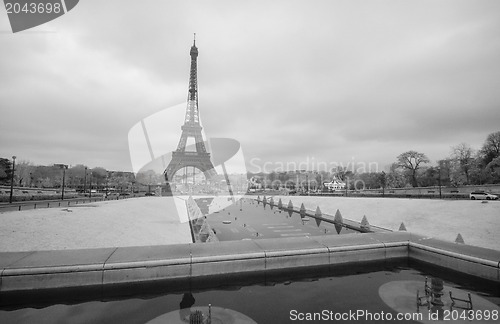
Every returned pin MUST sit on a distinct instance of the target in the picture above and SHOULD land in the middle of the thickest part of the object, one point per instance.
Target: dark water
(270, 300)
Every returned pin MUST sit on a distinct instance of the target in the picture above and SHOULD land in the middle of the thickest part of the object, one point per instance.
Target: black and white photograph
(230, 161)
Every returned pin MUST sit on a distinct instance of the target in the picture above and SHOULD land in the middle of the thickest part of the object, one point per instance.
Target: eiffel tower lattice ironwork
(200, 158)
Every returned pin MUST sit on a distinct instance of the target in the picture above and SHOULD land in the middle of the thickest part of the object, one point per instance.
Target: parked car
(150, 194)
(482, 195)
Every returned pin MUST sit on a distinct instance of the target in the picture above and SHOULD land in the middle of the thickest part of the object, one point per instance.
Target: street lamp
(439, 181)
(12, 179)
(64, 167)
(90, 185)
(85, 182)
(107, 184)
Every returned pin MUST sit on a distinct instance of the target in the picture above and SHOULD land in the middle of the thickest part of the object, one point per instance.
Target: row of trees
(463, 166)
(38, 176)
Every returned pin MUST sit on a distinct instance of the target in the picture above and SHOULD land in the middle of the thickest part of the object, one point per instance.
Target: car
(150, 194)
(482, 195)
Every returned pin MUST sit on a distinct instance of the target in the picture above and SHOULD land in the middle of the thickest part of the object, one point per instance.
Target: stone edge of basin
(20, 271)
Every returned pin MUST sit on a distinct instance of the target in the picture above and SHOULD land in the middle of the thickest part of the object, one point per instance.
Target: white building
(335, 184)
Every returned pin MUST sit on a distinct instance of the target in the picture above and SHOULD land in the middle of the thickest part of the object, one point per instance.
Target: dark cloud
(337, 80)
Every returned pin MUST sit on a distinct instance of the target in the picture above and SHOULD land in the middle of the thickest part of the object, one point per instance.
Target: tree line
(464, 166)
(39, 176)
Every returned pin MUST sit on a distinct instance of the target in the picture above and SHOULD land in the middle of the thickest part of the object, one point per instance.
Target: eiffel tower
(200, 158)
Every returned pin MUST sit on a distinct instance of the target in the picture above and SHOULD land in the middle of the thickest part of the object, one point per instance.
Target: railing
(29, 205)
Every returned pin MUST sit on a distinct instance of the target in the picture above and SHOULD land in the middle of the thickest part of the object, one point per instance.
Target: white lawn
(115, 223)
(157, 221)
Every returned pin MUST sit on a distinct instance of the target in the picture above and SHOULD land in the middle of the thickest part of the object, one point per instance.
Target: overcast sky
(292, 81)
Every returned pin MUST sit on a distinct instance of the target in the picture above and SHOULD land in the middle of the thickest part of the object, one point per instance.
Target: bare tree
(412, 161)
(24, 172)
(462, 155)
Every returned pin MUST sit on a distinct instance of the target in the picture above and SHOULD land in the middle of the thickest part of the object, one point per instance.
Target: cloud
(288, 79)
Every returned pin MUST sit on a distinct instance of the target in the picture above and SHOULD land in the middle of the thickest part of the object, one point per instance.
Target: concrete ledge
(462, 249)
(123, 266)
(9, 258)
(51, 270)
(142, 256)
(223, 258)
(484, 263)
(138, 264)
(351, 248)
(55, 269)
(34, 281)
(145, 273)
(293, 252)
(395, 243)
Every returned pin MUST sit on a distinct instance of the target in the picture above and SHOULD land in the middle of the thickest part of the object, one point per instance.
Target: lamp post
(12, 179)
(85, 182)
(90, 185)
(439, 181)
(382, 175)
(107, 184)
(64, 167)
(307, 181)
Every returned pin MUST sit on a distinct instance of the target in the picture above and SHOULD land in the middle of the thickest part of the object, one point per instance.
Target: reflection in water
(185, 305)
(265, 298)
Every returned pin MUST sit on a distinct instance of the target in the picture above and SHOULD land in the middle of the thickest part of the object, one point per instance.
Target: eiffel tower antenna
(181, 158)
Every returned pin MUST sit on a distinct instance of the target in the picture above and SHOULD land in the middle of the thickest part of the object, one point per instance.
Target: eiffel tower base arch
(200, 161)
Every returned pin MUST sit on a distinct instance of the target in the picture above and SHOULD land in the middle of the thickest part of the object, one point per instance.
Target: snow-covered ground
(477, 222)
(156, 221)
(115, 223)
